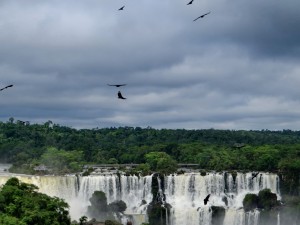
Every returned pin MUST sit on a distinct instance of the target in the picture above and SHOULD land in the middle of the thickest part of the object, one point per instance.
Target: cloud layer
(237, 68)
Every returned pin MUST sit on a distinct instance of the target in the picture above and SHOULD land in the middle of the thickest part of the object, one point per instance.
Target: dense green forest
(21, 204)
(68, 149)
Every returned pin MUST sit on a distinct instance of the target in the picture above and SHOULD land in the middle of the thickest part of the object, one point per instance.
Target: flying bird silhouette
(6, 87)
(206, 199)
(254, 175)
(116, 85)
(201, 16)
(120, 95)
(191, 2)
(122, 7)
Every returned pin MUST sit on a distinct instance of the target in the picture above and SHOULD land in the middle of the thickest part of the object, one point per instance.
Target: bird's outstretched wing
(116, 85)
(8, 86)
(122, 7)
(206, 199)
(191, 2)
(201, 16)
(254, 175)
(120, 95)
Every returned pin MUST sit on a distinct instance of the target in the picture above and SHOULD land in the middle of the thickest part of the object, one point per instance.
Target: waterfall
(65, 187)
(185, 194)
(130, 189)
(77, 191)
(239, 217)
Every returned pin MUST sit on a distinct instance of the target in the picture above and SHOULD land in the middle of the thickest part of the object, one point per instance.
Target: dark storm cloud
(237, 68)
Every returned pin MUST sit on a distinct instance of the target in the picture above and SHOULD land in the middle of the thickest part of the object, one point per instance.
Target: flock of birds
(191, 2)
(120, 96)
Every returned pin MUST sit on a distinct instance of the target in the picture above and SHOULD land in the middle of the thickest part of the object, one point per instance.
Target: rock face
(267, 200)
(218, 215)
(250, 202)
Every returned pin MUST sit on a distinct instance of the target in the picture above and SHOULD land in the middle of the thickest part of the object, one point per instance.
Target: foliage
(143, 168)
(250, 202)
(267, 199)
(157, 213)
(62, 161)
(21, 204)
(161, 162)
(82, 220)
(65, 149)
(117, 206)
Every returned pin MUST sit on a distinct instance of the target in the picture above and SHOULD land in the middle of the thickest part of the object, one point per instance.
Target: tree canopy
(21, 204)
(66, 149)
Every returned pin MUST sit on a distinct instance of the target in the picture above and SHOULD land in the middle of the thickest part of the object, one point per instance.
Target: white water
(78, 190)
(131, 189)
(239, 217)
(185, 193)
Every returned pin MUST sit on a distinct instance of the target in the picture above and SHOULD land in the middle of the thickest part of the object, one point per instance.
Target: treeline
(24, 143)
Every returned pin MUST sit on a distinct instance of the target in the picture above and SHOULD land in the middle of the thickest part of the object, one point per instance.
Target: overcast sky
(236, 68)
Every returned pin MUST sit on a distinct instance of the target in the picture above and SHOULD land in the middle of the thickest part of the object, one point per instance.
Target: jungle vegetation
(65, 149)
(21, 204)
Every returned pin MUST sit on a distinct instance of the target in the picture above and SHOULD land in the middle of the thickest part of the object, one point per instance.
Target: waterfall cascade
(185, 193)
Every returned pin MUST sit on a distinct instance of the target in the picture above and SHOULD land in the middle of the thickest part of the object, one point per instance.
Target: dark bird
(201, 16)
(116, 85)
(191, 2)
(6, 87)
(122, 7)
(206, 199)
(254, 175)
(120, 95)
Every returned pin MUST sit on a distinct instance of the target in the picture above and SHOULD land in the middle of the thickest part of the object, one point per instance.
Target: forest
(67, 149)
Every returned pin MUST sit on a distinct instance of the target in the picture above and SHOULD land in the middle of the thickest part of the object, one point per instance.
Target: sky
(236, 68)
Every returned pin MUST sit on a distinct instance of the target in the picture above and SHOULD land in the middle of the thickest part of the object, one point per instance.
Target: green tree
(250, 202)
(21, 204)
(161, 162)
(61, 160)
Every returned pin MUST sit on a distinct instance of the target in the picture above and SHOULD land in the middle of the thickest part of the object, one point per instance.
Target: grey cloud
(235, 69)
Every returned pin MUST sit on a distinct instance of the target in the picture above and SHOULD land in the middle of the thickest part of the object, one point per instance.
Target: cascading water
(185, 194)
(239, 217)
(130, 189)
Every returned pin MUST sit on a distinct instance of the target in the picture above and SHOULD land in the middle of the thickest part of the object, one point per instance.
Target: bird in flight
(6, 87)
(116, 85)
(206, 199)
(122, 7)
(254, 175)
(120, 95)
(191, 2)
(201, 16)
